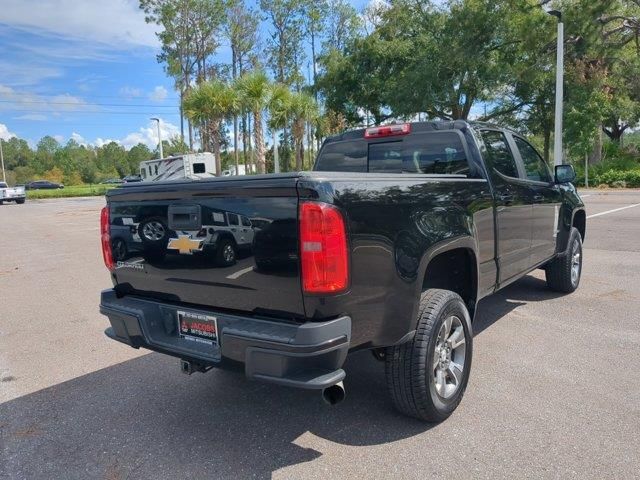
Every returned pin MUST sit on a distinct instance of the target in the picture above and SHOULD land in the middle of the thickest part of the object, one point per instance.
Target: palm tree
(210, 103)
(303, 109)
(255, 91)
(279, 114)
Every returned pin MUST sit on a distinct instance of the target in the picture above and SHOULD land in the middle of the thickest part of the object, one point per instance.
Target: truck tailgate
(226, 243)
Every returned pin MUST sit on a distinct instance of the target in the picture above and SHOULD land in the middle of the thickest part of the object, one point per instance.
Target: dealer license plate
(199, 328)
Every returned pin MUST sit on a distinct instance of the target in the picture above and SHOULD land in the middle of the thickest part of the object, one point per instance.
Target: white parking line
(612, 211)
(239, 273)
(585, 196)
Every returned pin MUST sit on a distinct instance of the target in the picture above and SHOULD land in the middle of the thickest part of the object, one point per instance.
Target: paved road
(554, 391)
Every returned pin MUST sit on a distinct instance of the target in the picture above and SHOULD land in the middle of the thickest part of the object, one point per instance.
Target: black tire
(560, 273)
(226, 253)
(410, 367)
(153, 232)
(119, 249)
(20, 201)
(1, 202)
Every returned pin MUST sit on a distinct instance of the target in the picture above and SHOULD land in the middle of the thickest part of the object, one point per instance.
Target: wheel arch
(219, 236)
(579, 221)
(452, 265)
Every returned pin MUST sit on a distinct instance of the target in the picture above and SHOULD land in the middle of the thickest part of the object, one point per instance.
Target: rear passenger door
(513, 207)
(545, 197)
(234, 224)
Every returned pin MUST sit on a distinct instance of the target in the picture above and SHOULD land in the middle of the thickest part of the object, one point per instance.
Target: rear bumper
(308, 355)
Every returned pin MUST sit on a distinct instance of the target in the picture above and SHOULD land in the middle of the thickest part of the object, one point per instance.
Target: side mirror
(565, 174)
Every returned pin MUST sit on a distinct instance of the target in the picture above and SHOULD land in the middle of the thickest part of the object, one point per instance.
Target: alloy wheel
(153, 231)
(228, 254)
(448, 357)
(576, 262)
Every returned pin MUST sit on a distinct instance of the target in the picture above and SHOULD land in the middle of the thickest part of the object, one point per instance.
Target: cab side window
(233, 219)
(499, 154)
(534, 165)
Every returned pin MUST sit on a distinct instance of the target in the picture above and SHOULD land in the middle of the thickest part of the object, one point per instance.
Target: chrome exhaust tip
(334, 394)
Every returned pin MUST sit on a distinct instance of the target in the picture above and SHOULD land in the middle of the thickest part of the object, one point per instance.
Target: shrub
(54, 175)
(617, 178)
(73, 179)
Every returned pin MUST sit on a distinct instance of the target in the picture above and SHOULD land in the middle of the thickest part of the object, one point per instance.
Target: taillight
(388, 130)
(323, 248)
(105, 237)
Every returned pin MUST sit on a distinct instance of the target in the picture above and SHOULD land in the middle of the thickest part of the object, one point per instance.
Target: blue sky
(84, 70)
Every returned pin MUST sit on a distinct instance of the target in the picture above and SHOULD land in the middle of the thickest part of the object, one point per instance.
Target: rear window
(3, 185)
(198, 168)
(218, 219)
(430, 153)
(349, 156)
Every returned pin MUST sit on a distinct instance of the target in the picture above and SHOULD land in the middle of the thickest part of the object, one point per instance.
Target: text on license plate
(198, 328)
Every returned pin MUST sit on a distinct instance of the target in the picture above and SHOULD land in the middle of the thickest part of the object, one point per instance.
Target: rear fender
(218, 236)
(461, 242)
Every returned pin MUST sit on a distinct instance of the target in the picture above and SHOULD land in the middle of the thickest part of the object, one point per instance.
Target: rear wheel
(226, 253)
(427, 376)
(153, 231)
(20, 201)
(154, 234)
(563, 273)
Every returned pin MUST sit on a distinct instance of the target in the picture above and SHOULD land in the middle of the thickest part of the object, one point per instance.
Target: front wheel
(427, 376)
(20, 201)
(119, 249)
(563, 273)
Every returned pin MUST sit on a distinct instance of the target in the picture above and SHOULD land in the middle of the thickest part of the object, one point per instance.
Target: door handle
(506, 198)
(538, 198)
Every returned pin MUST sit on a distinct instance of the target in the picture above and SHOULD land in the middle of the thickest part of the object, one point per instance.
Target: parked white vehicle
(12, 194)
(242, 170)
(191, 165)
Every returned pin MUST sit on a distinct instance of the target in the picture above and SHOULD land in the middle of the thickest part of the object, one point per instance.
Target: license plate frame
(198, 327)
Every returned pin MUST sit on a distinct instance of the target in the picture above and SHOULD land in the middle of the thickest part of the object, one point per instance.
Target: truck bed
(391, 221)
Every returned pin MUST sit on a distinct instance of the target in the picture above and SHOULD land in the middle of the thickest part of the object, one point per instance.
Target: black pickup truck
(387, 245)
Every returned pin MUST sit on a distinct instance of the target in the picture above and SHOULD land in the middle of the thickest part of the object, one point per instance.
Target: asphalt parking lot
(554, 390)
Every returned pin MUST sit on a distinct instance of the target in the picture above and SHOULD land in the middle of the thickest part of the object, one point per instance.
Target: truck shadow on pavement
(493, 308)
(143, 419)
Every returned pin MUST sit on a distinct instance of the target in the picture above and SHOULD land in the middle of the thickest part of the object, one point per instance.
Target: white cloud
(100, 142)
(20, 100)
(5, 134)
(59, 138)
(79, 139)
(25, 74)
(35, 117)
(158, 94)
(130, 92)
(67, 103)
(149, 134)
(117, 23)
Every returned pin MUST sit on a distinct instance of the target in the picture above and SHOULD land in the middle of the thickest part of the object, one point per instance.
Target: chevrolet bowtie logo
(185, 244)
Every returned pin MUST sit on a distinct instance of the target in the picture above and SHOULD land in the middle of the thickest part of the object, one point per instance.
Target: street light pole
(159, 136)
(4, 175)
(557, 135)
